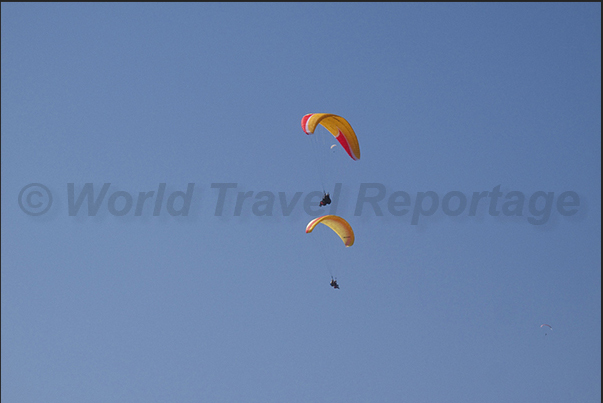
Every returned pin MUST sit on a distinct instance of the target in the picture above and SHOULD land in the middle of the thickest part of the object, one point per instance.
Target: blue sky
(453, 99)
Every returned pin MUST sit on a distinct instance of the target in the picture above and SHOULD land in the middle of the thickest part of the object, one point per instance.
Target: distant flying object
(544, 324)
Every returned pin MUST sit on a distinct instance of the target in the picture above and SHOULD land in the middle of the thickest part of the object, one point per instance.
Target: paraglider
(340, 226)
(329, 161)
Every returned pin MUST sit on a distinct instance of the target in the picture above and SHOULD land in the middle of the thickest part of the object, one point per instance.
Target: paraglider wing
(338, 127)
(544, 324)
(337, 224)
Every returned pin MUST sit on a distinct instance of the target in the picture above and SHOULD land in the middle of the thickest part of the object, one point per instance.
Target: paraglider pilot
(334, 283)
(325, 200)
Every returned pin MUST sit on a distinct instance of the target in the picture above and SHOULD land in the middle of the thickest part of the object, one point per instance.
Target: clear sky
(475, 203)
